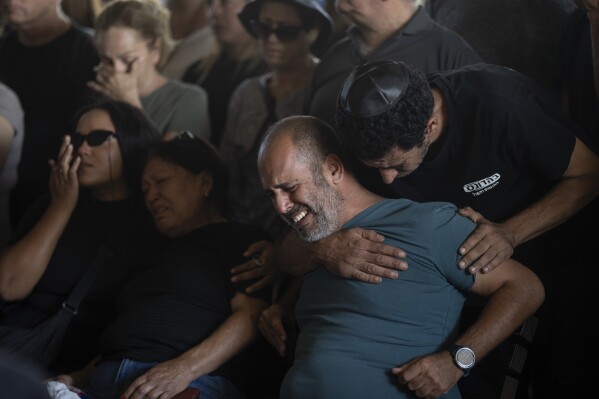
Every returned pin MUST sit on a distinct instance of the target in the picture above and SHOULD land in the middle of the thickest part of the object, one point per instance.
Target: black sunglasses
(93, 138)
(285, 34)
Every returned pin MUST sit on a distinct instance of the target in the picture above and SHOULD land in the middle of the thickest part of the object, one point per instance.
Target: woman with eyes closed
(287, 31)
(94, 200)
(181, 322)
(133, 40)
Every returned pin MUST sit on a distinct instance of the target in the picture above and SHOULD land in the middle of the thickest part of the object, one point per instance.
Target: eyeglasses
(93, 138)
(285, 33)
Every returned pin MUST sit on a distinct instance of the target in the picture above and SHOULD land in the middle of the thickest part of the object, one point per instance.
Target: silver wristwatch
(463, 357)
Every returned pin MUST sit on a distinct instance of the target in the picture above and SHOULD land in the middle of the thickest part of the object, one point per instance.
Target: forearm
(506, 309)
(23, 264)
(229, 339)
(561, 203)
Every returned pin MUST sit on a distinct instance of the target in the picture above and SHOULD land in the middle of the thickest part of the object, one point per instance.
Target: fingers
(370, 235)
(264, 282)
(374, 274)
(486, 248)
(372, 241)
(470, 214)
(271, 327)
(97, 87)
(244, 267)
(258, 247)
(256, 272)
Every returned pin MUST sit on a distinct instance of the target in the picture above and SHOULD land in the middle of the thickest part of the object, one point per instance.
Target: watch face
(465, 358)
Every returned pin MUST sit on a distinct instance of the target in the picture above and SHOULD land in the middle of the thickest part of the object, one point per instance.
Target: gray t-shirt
(353, 333)
(11, 111)
(178, 106)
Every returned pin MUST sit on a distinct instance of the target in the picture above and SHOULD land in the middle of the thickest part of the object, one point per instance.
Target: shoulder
(488, 81)
(336, 58)
(250, 85)
(10, 106)
(181, 92)
(244, 232)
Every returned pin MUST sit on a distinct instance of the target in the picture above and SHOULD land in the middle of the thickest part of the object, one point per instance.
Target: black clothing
(421, 42)
(127, 228)
(50, 80)
(519, 34)
(574, 74)
(220, 82)
(506, 143)
(182, 297)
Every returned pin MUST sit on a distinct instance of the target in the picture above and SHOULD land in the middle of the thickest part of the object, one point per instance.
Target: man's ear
(333, 169)
(432, 125)
(205, 183)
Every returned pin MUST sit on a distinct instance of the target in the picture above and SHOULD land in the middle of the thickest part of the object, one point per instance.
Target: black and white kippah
(373, 88)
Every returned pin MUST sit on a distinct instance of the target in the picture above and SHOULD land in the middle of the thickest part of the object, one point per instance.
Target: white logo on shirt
(480, 186)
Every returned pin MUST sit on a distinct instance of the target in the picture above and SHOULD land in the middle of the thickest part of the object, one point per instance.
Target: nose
(388, 175)
(151, 195)
(282, 203)
(83, 149)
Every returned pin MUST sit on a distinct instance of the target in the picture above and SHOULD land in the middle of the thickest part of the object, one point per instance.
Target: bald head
(302, 175)
(310, 138)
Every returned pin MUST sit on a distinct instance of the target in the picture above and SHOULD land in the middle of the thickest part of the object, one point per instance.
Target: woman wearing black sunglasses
(287, 31)
(95, 199)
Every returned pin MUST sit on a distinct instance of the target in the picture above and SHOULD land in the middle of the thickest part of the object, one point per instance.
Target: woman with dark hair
(94, 200)
(181, 322)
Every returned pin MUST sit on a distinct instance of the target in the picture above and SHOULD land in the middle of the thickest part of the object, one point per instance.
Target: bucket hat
(313, 9)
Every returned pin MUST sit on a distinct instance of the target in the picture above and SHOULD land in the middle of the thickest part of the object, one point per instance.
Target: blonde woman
(133, 40)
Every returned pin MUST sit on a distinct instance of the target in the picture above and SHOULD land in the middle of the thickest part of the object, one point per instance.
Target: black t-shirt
(505, 145)
(127, 228)
(220, 82)
(574, 74)
(50, 81)
(182, 296)
(421, 42)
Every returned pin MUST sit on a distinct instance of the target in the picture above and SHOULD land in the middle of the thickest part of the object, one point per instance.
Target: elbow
(536, 293)
(9, 290)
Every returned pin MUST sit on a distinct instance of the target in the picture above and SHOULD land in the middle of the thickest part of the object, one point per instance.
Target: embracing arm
(355, 253)
(23, 263)
(492, 243)
(228, 340)
(514, 294)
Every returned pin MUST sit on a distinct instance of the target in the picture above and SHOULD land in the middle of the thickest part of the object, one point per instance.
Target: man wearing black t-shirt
(47, 60)
(487, 137)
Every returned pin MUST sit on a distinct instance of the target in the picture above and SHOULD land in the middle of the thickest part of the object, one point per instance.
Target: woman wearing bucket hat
(287, 32)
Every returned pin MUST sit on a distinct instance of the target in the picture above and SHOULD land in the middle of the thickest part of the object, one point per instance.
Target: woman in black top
(182, 322)
(94, 200)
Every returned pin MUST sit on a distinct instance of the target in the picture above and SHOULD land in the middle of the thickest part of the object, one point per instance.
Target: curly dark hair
(403, 125)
